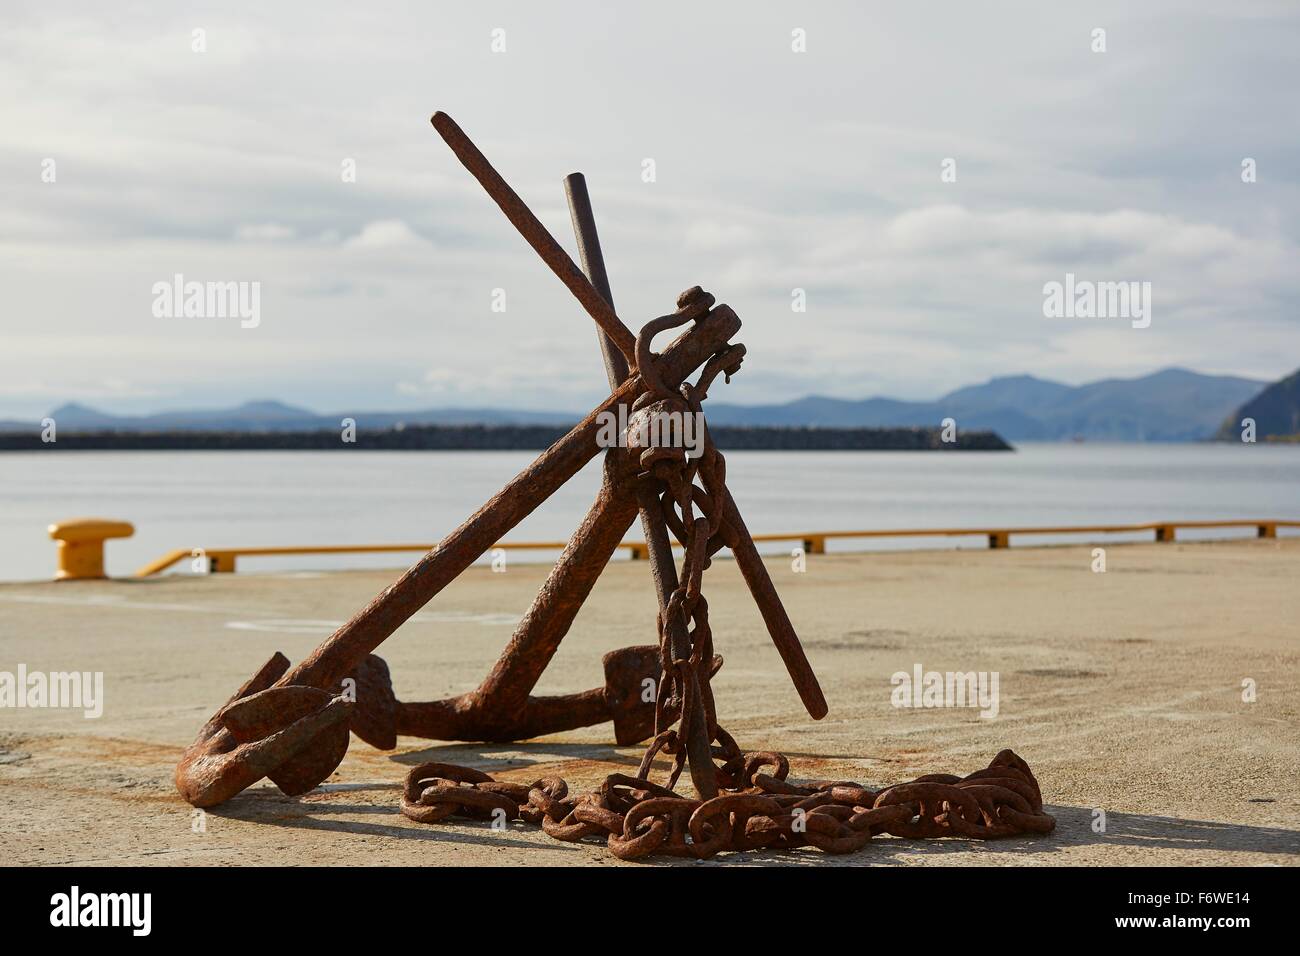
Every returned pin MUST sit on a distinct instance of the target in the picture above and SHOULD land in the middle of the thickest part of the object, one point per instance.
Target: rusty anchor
(292, 724)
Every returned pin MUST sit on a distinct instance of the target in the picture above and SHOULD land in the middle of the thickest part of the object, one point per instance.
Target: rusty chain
(756, 806)
(759, 808)
(684, 697)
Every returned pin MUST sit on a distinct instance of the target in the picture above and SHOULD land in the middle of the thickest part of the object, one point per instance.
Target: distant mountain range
(273, 416)
(1275, 411)
(1170, 405)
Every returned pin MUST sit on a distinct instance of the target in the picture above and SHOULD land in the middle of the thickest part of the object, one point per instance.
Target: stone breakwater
(496, 438)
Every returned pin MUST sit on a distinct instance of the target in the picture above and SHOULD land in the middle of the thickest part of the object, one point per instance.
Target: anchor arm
(538, 635)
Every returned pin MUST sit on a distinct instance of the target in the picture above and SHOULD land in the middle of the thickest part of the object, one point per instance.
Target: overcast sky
(774, 170)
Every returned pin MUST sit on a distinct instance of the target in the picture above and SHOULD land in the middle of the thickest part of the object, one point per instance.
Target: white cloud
(386, 234)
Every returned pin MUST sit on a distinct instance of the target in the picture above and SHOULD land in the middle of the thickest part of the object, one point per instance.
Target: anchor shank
(663, 570)
(536, 638)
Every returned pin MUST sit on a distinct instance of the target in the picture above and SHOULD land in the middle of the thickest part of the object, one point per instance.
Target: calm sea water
(237, 499)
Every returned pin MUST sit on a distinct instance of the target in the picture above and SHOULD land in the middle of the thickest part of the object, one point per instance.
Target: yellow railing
(812, 542)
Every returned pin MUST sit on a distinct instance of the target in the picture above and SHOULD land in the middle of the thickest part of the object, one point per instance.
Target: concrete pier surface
(1163, 693)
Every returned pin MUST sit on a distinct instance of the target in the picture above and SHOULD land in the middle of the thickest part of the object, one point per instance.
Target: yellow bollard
(81, 545)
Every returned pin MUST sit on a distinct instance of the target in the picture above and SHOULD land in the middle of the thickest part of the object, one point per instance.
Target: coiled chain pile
(761, 810)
